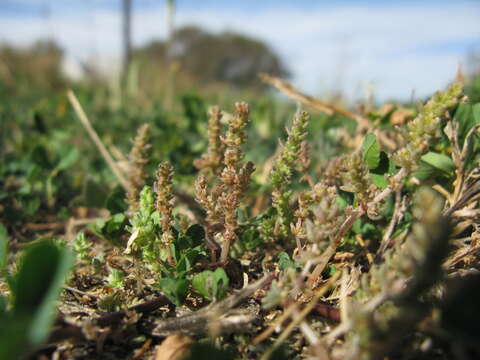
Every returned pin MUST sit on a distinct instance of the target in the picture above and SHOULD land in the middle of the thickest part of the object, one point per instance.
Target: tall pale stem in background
(170, 80)
(127, 39)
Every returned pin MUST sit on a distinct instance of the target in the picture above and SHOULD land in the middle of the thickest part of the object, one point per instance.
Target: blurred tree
(206, 58)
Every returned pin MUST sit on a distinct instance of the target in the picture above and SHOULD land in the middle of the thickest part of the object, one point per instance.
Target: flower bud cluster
(138, 158)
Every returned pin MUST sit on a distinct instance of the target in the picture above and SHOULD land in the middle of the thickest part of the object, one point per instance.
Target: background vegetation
(334, 238)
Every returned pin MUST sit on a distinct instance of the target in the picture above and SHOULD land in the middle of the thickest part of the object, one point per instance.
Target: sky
(399, 49)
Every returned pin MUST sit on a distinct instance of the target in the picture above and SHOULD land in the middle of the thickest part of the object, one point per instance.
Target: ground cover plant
(133, 231)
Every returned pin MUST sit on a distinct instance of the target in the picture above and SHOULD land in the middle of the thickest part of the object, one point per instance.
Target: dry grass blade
(398, 213)
(310, 101)
(470, 195)
(96, 139)
(301, 316)
(332, 248)
(278, 322)
(329, 109)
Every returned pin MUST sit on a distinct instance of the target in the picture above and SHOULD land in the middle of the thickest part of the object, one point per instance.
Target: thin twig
(277, 323)
(459, 255)
(80, 292)
(468, 196)
(395, 182)
(332, 248)
(222, 314)
(346, 325)
(96, 139)
(310, 101)
(398, 212)
(301, 316)
(113, 318)
(324, 107)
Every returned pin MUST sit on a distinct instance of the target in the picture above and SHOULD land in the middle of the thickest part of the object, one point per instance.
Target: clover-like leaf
(174, 289)
(211, 284)
(35, 288)
(371, 151)
(439, 161)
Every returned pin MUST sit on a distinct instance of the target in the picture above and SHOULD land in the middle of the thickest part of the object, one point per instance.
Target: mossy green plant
(280, 177)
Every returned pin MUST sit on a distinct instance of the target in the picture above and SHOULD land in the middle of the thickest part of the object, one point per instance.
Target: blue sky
(392, 47)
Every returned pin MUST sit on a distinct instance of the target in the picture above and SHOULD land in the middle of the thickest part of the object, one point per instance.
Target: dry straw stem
(329, 109)
(398, 213)
(94, 136)
(299, 318)
(276, 324)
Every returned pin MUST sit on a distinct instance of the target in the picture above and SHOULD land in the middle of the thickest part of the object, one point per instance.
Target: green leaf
(68, 160)
(39, 282)
(211, 284)
(36, 288)
(3, 248)
(379, 180)
(362, 228)
(384, 165)
(115, 223)
(331, 269)
(439, 161)
(174, 289)
(342, 201)
(371, 151)
(357, 226)
(476, 113)
(39, 156)
(251, 238)
(284, 261)
(115, 279)
(111, 229)
(392, 169)
(3, 305)
(425, 171)
(188, 258)
(465, 118)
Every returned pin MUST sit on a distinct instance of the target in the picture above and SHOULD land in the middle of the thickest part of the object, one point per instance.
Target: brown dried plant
(211, 162)
(138, 158)
(164, 204)
(222, 202)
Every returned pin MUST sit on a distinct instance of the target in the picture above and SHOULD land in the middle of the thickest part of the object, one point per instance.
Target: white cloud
(326, 48)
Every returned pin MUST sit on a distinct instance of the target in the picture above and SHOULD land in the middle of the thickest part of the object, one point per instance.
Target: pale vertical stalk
(126, 37)
(170, 79)
(93, 134)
